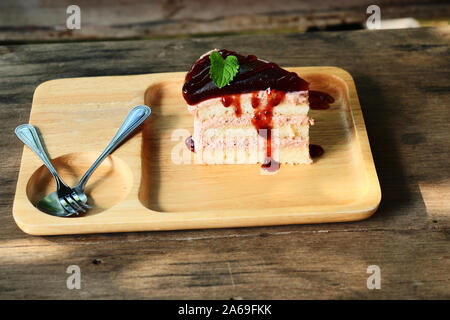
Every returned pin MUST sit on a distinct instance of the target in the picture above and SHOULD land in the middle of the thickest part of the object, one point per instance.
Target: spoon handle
(29, 136)
(134, 118)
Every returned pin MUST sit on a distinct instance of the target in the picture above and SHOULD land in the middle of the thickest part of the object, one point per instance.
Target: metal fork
(68, 198)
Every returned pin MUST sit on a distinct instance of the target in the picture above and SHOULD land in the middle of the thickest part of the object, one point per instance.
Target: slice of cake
(260, 116)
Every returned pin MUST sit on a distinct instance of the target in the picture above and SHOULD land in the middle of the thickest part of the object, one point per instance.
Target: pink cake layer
(246, 121)
(246, 144)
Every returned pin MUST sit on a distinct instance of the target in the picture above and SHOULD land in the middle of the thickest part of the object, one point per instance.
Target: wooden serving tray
(140, 187)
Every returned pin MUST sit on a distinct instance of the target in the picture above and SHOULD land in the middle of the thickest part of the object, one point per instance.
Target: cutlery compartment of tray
(108, 185)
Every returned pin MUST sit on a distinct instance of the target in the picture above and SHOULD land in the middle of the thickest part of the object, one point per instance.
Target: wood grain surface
(402, 79)
(27, 20)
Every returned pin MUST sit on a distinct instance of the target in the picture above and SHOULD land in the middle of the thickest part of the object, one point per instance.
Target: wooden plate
(141, 187)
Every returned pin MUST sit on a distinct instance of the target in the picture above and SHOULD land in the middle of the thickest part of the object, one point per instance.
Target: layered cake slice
(247, 110)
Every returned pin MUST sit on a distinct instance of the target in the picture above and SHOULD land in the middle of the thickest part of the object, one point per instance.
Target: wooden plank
(278, 264)
(46, 20)
(402, 81)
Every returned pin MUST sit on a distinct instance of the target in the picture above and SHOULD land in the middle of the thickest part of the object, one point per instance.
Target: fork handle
(29, 136)
(134, 118)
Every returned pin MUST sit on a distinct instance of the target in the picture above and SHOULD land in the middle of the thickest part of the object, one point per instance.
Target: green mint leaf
(222, 71)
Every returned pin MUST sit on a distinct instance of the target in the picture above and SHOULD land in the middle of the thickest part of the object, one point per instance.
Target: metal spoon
(137, 115)
(29, 136)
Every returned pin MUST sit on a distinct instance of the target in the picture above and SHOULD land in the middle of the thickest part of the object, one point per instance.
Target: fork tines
(73, 204)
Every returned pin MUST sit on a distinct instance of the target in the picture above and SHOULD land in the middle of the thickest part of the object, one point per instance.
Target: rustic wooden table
(402, 79)
(27, 20)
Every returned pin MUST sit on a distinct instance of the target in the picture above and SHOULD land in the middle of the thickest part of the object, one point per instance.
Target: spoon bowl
(50, 203)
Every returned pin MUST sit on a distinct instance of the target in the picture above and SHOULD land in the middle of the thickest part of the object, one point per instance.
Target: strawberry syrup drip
(262, 121)
(235, 101)
(190, 143)
(315, 150)
(319, 100)
(255, 100)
